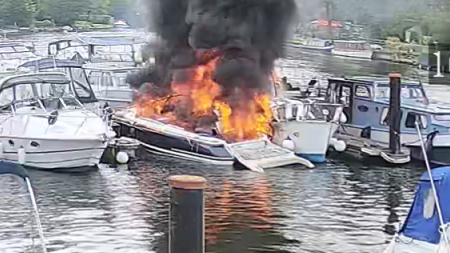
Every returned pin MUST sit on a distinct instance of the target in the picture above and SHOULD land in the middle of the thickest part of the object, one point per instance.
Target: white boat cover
(262, 154)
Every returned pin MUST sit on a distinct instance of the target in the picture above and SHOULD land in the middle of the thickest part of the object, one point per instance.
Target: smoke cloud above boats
(247, 35)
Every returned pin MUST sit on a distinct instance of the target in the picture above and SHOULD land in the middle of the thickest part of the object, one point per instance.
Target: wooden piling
(395, 113)
(186, 214)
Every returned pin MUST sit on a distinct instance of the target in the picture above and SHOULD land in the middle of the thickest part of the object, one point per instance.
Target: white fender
(122, 157)
(21, 155)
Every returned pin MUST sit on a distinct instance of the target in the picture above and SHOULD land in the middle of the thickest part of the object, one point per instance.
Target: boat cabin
(38, 93)
(79, 84)
(99, 47)
(351, 45)
(366, 107)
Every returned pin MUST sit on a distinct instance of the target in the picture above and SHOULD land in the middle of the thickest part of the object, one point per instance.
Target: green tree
(66, 12)
(18, 12)
(101, 7)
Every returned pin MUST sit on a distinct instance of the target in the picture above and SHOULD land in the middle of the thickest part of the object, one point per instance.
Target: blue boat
(422, 231)
(366, 106)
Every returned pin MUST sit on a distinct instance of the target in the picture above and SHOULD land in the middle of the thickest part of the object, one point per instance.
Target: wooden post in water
(395, 113)
(186, 214)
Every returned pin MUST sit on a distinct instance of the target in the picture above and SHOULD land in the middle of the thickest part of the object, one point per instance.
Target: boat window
(411, 120)
(362, 91)
(410, 92)
(53, 49)
(6, 96)
(385, 117)
(51, 90)
(64, 44)
(95, 78)
(384, 121)
(24, 91)
(106, 79)
(345, 95)
(120, 79)
(429, 204)
(443, 119)
(81, 85)
(21, 49)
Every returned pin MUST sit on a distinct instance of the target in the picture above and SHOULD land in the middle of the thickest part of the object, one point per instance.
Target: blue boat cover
(13, 169)
(424, 227)
(50, 63)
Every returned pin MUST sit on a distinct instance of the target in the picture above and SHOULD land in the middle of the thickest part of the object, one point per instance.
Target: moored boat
(426, 227)
(166, 139)
(354, 49)
(109, 82)
(307, 127)
(313, 44)
(44, 126)
(12, 54)
(366, 106)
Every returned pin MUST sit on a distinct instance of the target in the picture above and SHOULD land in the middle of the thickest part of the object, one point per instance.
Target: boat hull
(362, 54)
(314, 48)
(51, 154)
(311, 138)
(175, 146)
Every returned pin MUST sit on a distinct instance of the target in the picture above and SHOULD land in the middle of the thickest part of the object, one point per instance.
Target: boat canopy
(112, 39)
(50, 63)
(54, 78)
(422, 222)
(80, 83)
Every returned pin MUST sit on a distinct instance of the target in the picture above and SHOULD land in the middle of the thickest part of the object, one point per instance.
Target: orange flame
(201, 96)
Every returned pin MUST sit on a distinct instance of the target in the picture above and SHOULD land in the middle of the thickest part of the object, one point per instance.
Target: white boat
(12, 54)
(121, 24)
(352, 48)
(307, 127)
(313, 44)
(423, 230)
(43, 125)
(100, 47)
(109, 83)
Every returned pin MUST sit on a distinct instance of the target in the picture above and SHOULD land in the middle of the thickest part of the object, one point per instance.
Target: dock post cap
(187, 182)
(395, 75)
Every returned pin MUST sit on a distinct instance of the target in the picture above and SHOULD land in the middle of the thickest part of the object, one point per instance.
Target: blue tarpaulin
(422, 226)
(13, 169)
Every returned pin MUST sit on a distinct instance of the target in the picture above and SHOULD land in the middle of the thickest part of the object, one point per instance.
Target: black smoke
(246, 35)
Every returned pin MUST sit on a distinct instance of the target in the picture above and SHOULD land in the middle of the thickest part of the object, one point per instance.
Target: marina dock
(284, 209)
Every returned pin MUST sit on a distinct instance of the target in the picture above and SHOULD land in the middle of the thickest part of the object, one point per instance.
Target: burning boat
(210, 86)
(161, 138)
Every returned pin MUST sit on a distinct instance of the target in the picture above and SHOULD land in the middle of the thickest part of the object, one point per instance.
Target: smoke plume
(245, 37)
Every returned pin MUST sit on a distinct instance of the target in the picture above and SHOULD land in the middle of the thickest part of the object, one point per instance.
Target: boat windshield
(45, 96)
(408, 92)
